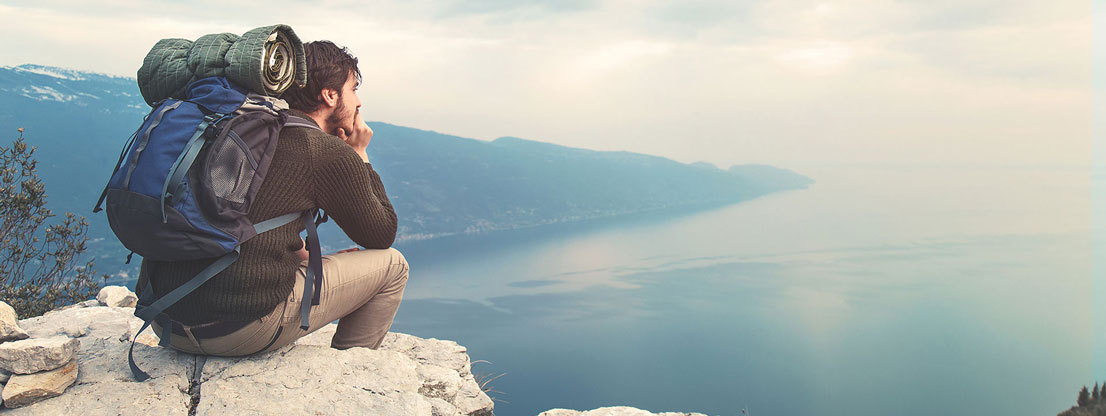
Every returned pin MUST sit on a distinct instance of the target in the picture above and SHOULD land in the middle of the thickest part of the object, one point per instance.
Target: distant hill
(440, 184)
(448, 185)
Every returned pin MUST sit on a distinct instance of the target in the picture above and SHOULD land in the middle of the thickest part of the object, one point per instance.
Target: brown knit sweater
(310, 169)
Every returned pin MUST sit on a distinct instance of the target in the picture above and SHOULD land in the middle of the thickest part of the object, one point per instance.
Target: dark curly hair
(328, 66)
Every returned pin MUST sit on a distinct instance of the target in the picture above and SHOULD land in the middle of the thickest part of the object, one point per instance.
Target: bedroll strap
(156, 310)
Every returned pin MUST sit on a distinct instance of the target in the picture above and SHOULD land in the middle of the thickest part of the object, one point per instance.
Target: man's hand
(359, 138)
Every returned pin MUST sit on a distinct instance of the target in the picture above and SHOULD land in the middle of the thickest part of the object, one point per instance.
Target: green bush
(39, 267)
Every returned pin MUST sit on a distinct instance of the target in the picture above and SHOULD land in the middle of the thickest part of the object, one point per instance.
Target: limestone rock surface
(37, 354)
(613, 411)
(24, 389)
(443, 369)
(406, 376)
(117, 296)
(9, 324)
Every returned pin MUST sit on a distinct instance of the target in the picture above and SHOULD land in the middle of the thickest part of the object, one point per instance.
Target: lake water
(907, 291)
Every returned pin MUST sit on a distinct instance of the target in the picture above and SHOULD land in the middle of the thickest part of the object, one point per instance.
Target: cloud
(817, 56)
(782, 82)
(528, 9)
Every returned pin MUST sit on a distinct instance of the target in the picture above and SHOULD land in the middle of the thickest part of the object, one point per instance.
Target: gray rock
(4, 376)
(9, 324)
(436, 355)
(434, 351)
(560, 412)
(443, 354)
(438, 382)
(22, 390)
(306, 377)
(439, 407)
(85, 304)
(30, 356)
(105, 385)
(471, 400)
(612, 411)
(117, 296)
(94, 321)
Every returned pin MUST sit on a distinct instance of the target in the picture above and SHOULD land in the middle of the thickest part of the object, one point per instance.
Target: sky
(788, 83)
(1098, 199)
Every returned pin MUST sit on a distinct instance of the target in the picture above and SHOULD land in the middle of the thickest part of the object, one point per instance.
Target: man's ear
(330, 97)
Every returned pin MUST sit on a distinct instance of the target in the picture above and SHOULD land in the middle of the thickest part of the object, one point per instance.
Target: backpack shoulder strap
(297, 121)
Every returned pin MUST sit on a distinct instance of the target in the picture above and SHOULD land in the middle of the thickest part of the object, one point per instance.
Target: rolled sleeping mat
(164, 72)
(267, 61)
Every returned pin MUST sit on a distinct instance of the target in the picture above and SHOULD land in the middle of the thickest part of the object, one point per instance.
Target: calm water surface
(908, 291)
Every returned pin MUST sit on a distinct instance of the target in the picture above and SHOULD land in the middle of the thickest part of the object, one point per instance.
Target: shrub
(39, 267)
(1084, 397)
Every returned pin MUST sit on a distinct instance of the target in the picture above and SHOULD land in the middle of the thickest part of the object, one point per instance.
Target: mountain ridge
(440, 184)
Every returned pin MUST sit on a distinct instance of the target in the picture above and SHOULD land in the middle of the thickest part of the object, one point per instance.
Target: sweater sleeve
(351, 193)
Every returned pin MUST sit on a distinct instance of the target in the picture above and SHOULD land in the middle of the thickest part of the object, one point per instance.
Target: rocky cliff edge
(406, 376)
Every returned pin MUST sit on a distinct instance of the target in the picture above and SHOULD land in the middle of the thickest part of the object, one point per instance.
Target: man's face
(348, 105)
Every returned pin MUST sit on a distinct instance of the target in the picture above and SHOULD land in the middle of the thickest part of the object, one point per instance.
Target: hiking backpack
(184, 184)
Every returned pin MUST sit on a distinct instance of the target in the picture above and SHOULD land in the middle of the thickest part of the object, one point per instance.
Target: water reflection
(855, 297)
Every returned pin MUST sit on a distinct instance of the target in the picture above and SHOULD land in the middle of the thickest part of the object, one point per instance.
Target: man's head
(332, 79)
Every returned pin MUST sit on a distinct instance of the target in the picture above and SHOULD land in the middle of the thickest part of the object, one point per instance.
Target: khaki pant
(361, 289)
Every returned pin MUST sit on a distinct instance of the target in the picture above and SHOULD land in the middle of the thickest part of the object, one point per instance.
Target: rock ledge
(406, 376)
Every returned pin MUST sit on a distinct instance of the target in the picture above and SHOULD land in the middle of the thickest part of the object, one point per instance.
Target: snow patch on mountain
(50, 71)
(65, 73)
(45, 93)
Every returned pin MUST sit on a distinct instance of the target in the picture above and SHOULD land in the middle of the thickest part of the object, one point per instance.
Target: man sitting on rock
(254, 305)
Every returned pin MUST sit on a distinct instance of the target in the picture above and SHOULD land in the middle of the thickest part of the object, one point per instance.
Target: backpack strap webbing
(149, 312)
(313, 279)
(184, 162)
(296, 121)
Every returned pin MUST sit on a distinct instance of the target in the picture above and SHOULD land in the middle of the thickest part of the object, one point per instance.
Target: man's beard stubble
(337, 120)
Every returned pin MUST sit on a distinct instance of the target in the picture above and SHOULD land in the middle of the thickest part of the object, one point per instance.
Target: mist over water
(912, 291)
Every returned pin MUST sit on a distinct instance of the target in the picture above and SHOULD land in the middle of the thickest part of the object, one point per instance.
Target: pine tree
(1095, 394)
(1084, 397)
(39, 268)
